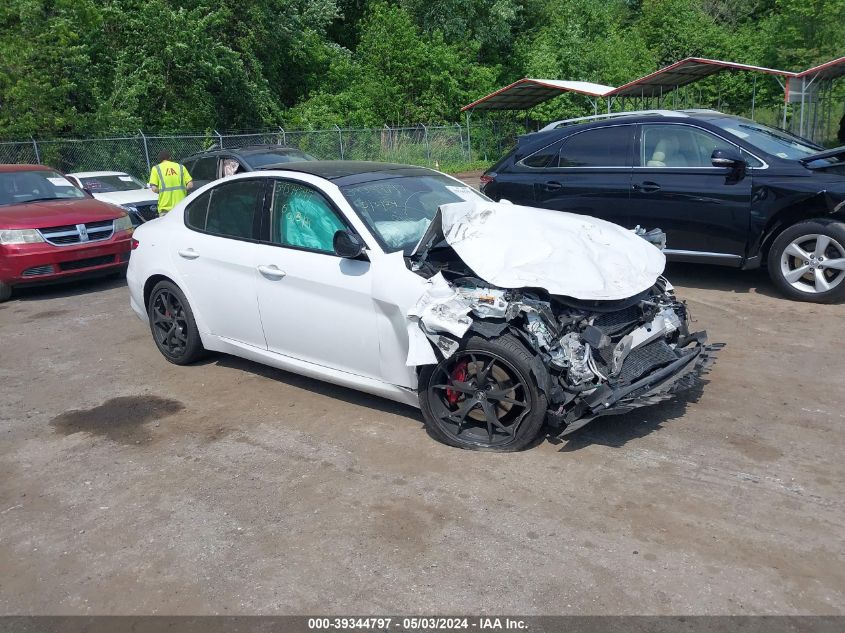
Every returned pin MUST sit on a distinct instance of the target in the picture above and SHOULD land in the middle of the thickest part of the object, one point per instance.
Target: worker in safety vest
(171, 181)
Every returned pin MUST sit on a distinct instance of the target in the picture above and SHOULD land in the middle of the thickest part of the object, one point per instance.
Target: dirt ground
(132, 486)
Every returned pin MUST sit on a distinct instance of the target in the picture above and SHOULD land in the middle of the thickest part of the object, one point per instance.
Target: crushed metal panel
(511, 246)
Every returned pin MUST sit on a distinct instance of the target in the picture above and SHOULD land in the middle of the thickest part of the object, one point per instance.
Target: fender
(776, 206)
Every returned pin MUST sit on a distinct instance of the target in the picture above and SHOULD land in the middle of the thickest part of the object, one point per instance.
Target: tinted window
(601, 147)
(544, 157)
(301, 217)
(681, 146)
(197, 211)
(271, 158)
(204, 169)
(229, 209)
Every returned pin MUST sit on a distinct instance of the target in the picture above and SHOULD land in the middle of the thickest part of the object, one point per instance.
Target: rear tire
(5, 292)
(483, 397)
(807, 261)
(172, 324)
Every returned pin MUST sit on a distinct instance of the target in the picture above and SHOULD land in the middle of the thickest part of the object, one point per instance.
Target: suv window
(544, 157)
(228, 210)
(599, 147)
(302, 218)
(682, 146)
(205, 169)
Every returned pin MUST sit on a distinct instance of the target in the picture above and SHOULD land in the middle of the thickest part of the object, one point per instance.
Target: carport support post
(469, 143)
(146, 150)
(753, 95)
(35, 147)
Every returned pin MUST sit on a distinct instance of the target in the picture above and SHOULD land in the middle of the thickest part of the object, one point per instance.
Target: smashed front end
(593, 356)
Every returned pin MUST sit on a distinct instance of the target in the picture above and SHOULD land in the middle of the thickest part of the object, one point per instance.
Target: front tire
(483, 397)
(172, 324)
(5, 292)
(807, 261)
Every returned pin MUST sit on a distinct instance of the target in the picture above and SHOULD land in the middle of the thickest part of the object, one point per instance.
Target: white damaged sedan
(403, 282)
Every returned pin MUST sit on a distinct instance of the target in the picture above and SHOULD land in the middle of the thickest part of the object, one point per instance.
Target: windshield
(108, 184)
(17, 187)
(398, 210)
(771, 140)
(271, 158)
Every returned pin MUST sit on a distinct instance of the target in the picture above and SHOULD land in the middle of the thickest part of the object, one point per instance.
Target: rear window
(271, 158)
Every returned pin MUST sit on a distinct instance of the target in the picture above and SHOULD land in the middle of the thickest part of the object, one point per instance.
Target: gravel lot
(129, 485)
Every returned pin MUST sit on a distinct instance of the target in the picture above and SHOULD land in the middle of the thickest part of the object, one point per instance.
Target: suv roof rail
(612, 115)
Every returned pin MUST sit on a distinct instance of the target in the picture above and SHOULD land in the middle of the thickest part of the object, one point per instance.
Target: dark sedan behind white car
(404, 282)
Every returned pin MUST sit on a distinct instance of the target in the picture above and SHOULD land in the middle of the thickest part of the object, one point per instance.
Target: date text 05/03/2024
(416, 623)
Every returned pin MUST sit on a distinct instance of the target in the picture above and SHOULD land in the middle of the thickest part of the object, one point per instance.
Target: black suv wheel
(807, 261)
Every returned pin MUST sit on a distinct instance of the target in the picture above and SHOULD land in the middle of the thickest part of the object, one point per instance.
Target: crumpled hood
(577, 256)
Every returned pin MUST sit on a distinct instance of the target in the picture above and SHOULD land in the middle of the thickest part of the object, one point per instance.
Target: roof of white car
(95, 174)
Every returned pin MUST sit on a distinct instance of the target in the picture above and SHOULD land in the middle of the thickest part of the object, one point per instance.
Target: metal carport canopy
(526, 93)
(685, 72)
(829, 70)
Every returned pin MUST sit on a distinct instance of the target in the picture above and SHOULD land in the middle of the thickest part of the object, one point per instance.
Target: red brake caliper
(459, 373)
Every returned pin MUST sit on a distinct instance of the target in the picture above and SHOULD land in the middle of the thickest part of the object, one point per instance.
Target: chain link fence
(448, 147)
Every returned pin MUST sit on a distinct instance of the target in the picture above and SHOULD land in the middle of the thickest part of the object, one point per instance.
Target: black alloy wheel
(484, 399)
(172, 324)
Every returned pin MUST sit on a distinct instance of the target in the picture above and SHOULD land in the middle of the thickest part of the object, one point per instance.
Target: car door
(315, 306)
(704, 210)
(590, 174)
(215, 257)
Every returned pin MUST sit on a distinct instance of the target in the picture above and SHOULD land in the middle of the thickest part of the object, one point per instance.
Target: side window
(232, 208)
(543, 158)
(302, 218)
(205, 169)
(599, 147)
(197, 211)
(681, 146)
(229, 166)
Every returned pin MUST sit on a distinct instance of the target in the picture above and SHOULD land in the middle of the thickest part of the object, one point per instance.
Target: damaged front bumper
(656, 386)
(590, 358)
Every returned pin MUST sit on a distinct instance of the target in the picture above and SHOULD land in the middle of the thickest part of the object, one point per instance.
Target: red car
(51, 230)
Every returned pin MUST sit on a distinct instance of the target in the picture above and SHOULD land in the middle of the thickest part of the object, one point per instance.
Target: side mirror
(727, 158)
(730, 159)
(348, 245)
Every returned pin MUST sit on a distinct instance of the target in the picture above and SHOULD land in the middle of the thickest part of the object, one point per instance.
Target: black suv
(217, 163)
(726, 190)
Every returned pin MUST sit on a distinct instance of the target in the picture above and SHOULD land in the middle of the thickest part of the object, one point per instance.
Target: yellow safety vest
(171, 180)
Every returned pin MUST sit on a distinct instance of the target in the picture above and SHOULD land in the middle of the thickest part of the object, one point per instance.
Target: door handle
(272, 272)
(188, 253)
(553, 185)
(646, 187)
